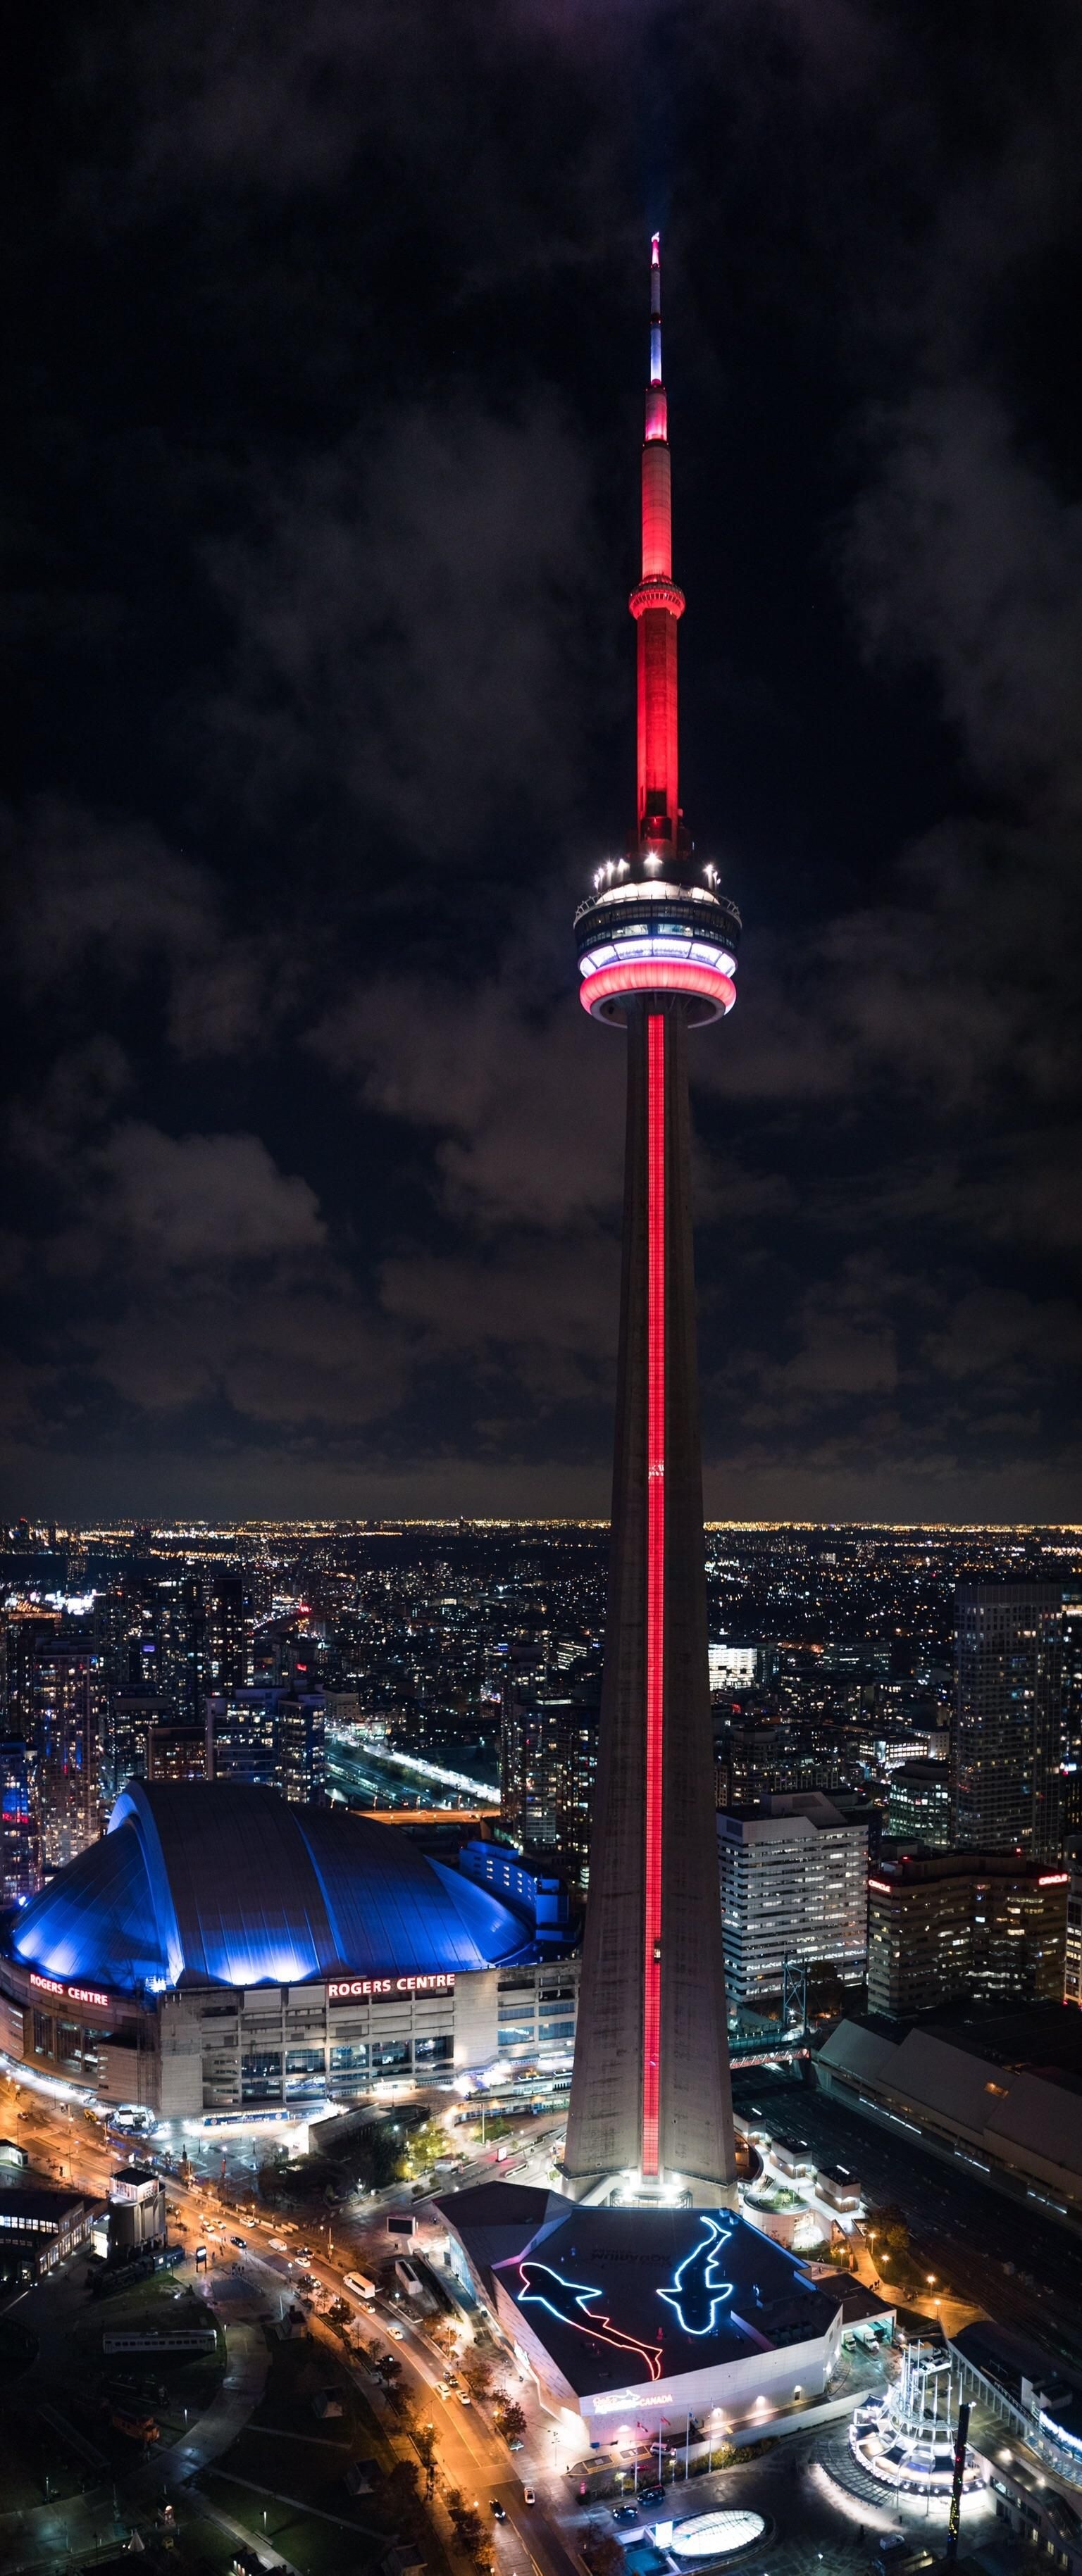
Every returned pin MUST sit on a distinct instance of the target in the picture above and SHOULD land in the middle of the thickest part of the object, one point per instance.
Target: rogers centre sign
(70, 1994)
(356, 1989)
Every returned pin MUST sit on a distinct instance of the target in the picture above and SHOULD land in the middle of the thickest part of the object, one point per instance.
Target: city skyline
(321, 706)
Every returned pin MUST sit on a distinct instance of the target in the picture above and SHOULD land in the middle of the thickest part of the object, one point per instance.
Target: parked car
(652, 2495)
(529, 2495)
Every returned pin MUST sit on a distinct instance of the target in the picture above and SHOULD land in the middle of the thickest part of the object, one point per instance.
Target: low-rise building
(998, 2094)
(793, 1890)
(948, 1924)
(39, 2228)
(634, 2317)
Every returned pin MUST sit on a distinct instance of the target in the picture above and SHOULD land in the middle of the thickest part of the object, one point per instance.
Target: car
(500, 2510)
(242, 2241)
(625, 2513)
(464, 2397)
(398, 2333)
(514, 2446)
(652, 2495)
(529, 2495)
(278, 2244)
(304, 2254)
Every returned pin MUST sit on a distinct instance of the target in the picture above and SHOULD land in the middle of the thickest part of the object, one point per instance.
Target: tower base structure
(632, 2190)
(650, 2117)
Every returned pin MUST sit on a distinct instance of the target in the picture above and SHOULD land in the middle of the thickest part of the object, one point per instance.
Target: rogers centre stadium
(222, 1951)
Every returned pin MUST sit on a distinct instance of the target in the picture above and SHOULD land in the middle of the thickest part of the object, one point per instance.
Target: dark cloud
(324, 456)
(409, 617)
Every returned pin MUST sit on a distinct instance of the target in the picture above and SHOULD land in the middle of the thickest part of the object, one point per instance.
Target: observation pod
(650, 2116)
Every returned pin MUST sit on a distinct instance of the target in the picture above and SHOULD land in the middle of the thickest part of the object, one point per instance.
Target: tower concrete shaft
(650, 2094)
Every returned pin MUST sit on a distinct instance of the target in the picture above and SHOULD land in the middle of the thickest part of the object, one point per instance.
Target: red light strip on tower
(655, 1580)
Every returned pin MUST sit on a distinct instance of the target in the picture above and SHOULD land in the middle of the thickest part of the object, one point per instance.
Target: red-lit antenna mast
(656, 604)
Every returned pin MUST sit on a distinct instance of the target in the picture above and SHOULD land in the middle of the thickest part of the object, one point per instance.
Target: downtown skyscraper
(657, 942)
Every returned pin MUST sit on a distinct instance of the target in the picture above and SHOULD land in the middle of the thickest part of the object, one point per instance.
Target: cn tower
(651, 2109)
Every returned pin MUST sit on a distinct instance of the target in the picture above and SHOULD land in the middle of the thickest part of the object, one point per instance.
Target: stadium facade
(222, 1951)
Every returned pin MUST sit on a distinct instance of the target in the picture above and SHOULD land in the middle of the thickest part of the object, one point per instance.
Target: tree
(603, 2554)
(424, 2443)
(425, 2144)
(389, 2368)
(400, 2500)
(477, 2373)
(510, 2419)
(468, 2528)
(378, 2155)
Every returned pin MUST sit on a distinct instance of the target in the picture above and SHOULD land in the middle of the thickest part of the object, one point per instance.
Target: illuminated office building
(948, 1925)
(1010, 1723)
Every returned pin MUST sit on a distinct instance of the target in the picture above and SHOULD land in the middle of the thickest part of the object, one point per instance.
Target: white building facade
(794, 1875)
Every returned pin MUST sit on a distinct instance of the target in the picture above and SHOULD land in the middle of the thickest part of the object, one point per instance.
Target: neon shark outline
(700, 2295)
(576, 2293)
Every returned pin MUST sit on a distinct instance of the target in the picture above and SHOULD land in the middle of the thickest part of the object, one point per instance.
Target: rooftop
(30, 2202)
(210, 1882)
(619, 2296)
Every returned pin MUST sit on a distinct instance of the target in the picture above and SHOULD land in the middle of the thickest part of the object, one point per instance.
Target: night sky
(325, 401)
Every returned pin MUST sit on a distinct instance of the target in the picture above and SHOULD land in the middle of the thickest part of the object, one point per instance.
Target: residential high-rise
(650, 2098)
(302, 1747)
(65, 1777)
(269, 1738)
(176, 1751)
(548, 1761)
(242, 1737)
(20, 1874)
(229, 1633)
(1010, 1718)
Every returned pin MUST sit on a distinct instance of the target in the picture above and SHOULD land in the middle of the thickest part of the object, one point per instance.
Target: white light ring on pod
(657, 975)
(695, 952)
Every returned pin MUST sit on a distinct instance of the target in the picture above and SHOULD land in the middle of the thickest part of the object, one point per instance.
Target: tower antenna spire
(656, 604)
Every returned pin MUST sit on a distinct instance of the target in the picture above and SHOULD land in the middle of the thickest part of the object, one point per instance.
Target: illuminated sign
(1055, 1878)
(544, 2288)
(882, 1886)
(356, 1989)
(696, 2294)
(627, 2398)
(73, 1994)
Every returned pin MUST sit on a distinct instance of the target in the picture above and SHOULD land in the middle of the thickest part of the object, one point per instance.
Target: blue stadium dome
(213, 1883)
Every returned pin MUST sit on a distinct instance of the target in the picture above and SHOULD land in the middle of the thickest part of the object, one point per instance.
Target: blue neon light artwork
(697, 2295)
(544, 2288)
